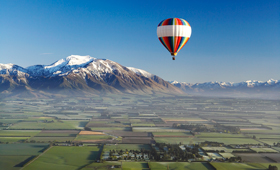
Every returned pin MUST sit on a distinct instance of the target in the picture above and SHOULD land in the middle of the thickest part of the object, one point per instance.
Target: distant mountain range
(265, 89)
(84, 75)
(80, 75)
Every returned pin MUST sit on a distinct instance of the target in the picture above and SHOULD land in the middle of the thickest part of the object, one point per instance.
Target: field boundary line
(36, 158)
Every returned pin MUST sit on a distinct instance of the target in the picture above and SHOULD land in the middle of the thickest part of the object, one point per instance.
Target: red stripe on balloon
(166, 22)
(179, 22)
(177, 43)
(166, 41)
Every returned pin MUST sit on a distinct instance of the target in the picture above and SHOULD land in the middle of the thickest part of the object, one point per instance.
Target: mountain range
(264, 89)
(84, 75)
(80, 75)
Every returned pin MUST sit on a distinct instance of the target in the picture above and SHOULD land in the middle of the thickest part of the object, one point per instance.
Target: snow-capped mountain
(82, 73)
(215, 85)
(270, 87)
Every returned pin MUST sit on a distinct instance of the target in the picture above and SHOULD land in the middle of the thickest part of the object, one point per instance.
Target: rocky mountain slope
(80, 75)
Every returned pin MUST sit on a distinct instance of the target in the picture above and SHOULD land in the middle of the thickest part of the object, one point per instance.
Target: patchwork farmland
(139, 132)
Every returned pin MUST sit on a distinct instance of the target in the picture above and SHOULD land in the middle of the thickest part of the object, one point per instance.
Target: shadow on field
(144, 165)
(44, 147)
(82, 124)
(208, 166)
(21, 164)
(94, 155)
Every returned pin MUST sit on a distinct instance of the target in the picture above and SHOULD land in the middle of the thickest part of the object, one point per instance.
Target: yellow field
(90, 133)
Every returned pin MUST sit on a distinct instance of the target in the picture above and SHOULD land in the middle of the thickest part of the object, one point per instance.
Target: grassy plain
(186, 134)
(219, 135)
(243, 166)
(228, 141)
(11, 162)
(156, 129)
(135, 166)
(57, 133)
(51, 139)
(266, 150)
(103, 166)
(22, 148)
(180, 165)
(127, 146)
(65, 124)
(14, 156)
(175, 140)
(65, 158)
(226, 155)
(18, 133)
(270, 141)
(13, 139)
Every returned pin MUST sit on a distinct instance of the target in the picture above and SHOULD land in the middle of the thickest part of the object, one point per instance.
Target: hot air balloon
(174, 33)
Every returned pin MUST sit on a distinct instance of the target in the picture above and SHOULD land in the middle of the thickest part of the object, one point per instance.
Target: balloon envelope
(174, 33)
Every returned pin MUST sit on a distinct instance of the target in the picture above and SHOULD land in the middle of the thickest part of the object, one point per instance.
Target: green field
(135, 166)
(65, 124)
(227, 155)
(270, 141)
(173, 134)
(14, 156)
(22, 148)
(219, 135)
(156, 129)
(180, 165)
(65, 158)
(102, 166)
(267, 150)
(126, 146)
(265, 136)
(110, 128)
(277, 148)
(12, 162)
(243, 166)
(53, 133)
(16, 133)
(226, 149)
(175, 140)
(229, 141)
(142, 125)
(47, 139)
(9, 120)
(13, 139)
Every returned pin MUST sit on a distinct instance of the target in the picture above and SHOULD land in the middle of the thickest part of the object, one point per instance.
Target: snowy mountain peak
(71, 64)
(60, 67)
(6, 66)
(84, 73)
(174, 82)
(78, 60)
(140, 72)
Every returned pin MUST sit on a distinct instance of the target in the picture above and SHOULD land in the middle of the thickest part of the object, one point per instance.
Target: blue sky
(232, 40)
